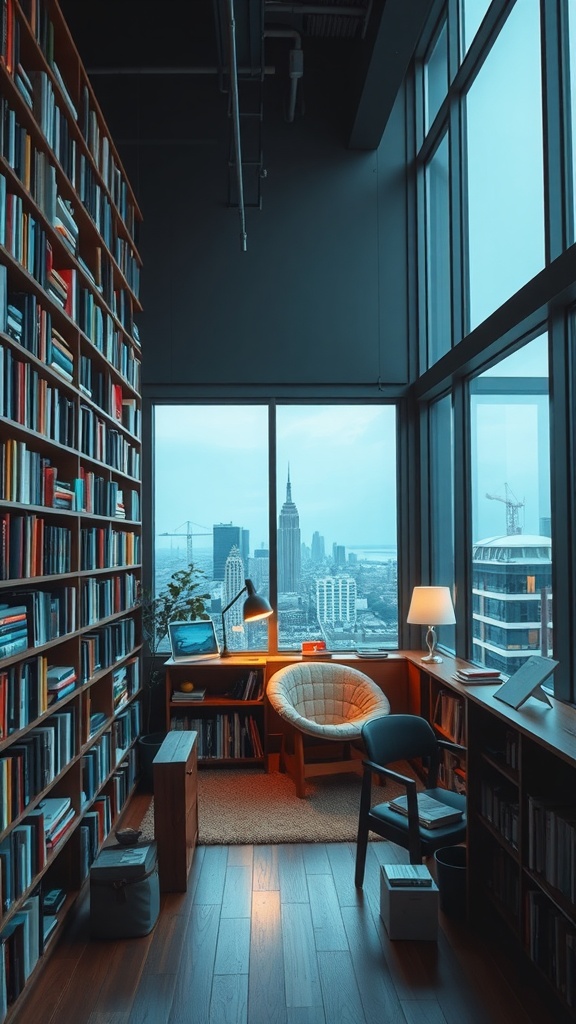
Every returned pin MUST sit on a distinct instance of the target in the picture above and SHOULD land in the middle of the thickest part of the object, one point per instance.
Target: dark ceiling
(365, 44)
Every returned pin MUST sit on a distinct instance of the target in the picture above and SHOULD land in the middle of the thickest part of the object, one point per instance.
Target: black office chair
(402, 738)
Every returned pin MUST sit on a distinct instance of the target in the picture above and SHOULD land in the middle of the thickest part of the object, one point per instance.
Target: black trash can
(451, 880)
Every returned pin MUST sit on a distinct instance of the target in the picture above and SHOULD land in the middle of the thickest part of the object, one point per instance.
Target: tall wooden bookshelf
(520, 777)
(70, 455)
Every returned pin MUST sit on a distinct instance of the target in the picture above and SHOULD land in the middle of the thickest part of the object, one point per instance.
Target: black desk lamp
(255, 607)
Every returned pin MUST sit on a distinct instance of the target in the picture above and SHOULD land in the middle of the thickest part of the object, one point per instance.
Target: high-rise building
(336, 599)
(234, 576)
(339, 554)
(225, 536)
(289, 551)
(259, 569)
(318, 549)
(512, 594)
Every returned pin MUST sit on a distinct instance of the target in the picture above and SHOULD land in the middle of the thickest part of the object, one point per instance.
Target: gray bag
(124, 891)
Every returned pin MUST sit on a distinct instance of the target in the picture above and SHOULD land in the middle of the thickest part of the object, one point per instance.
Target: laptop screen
(193, 640)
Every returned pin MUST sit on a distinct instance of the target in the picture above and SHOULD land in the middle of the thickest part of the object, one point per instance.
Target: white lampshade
(431, 606)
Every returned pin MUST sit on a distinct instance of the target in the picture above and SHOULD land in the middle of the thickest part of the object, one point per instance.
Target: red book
(117, 402)
(49, 485)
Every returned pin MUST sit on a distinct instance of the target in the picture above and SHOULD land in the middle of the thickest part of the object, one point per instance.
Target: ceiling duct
(240, 45)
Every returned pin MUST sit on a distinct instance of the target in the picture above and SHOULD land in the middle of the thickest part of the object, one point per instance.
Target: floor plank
(279, 935)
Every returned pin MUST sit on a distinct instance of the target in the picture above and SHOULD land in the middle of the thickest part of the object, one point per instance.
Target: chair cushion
(384, 813)
(326, 700)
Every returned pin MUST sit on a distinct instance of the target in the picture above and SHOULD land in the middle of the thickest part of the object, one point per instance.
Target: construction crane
(185, 530)
(512, 510)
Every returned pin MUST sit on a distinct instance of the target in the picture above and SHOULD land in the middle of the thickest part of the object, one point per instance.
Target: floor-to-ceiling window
(330, 565)
(504, 165)
(495, 201)
(511, 522)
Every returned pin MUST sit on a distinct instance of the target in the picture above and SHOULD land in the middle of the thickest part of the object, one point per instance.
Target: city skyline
(219, 457)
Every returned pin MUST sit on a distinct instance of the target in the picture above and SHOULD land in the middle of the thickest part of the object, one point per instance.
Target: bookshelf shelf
(70, 454)
(231, 730)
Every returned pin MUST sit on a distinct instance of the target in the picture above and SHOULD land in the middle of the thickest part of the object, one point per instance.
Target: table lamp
(255, 607)
(431, 606)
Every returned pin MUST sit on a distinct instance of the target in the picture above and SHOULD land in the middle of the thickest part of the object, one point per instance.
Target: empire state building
(289, 551)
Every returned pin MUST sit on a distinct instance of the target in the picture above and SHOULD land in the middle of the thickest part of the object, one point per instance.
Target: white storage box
(409, 911)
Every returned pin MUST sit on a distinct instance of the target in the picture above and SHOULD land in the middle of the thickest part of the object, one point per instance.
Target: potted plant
(178, 600)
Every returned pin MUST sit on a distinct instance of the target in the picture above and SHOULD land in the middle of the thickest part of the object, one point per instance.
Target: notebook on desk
(193, 641)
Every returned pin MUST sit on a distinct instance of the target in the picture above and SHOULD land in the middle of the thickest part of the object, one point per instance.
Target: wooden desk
(175, 772)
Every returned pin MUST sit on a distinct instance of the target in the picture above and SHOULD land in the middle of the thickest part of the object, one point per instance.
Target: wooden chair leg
(299, 777)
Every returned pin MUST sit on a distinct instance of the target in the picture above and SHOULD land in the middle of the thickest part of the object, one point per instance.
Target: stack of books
(58, 816)
(477, 675)
(61, 680)
(13, 629)
(197, 694)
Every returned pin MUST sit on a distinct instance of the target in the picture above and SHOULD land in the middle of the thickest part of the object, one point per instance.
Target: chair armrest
(455, 748)
(379, 769)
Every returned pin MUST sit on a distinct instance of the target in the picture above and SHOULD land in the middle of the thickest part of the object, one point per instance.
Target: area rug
(251, 806)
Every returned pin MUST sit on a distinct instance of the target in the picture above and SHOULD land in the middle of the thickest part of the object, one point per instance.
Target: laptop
(193, 641)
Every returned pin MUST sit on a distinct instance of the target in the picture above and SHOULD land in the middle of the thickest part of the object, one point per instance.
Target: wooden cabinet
(70, 451)
(230, 717)
(521, 780)
(176, 808)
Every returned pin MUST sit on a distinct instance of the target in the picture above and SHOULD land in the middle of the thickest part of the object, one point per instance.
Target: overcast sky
(212, 467)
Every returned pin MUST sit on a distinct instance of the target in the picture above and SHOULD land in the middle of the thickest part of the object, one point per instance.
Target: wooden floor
(276, 935)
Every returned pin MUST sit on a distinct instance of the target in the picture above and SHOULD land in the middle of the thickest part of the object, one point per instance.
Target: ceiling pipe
(296, 62)
(236, 121)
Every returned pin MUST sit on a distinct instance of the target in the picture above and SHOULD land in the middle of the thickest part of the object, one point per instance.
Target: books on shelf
(407, 875)
(197, 694)
(431, 813)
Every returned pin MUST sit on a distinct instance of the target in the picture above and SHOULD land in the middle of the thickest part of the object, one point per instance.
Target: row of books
(103, 647)
(452, 773)
(23, 694)
(28, 321)
(100, 327)
(100, 598)
(250, 688)
(102, 547)
(26, 239)
(100, 441)
(95, 826)
(552, 843)
(29, 478)
(49, 613)
(22, 942)
(96, 766)
(125, 729)
(551, 943)
(30, 400)
(450, 716)
(24, 851)
(32, 546)
(233, 735)
(109, 396)
(503, 880)
(38, 91)
(499, 805)
(123, 781)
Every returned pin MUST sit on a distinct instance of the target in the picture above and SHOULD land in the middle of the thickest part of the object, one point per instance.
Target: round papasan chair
(330, 703)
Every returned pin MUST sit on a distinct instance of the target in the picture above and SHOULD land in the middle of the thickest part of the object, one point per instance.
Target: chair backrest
(325, 692)
(400, 738)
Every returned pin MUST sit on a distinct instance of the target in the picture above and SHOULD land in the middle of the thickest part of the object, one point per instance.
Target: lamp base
(432, 659)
